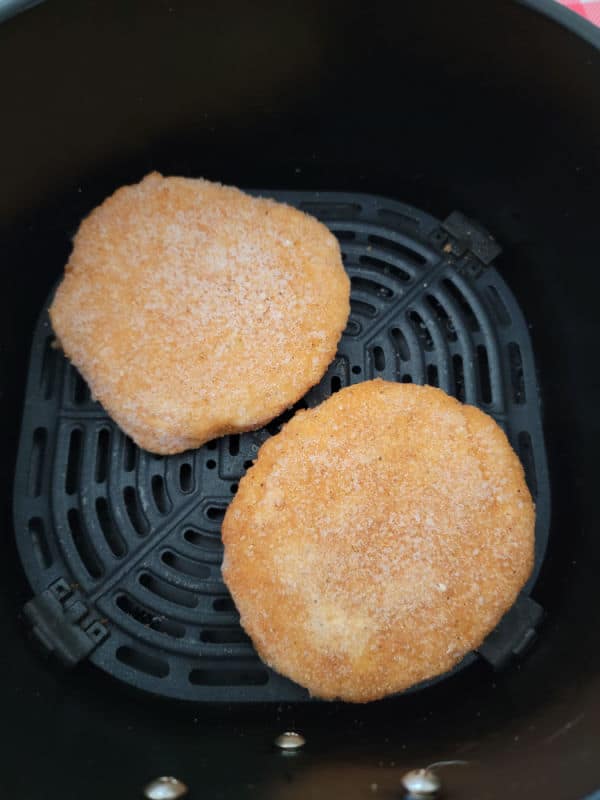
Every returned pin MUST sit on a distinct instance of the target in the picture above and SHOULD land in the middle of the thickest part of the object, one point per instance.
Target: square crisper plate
(122, 548)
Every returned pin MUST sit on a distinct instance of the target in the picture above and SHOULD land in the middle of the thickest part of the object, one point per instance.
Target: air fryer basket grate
(122, 547)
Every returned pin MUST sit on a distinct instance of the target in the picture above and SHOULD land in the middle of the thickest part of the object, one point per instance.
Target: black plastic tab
(514, 634)
(470, 236)
(62, 625)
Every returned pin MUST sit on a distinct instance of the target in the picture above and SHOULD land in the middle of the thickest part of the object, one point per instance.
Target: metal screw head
(421, 783)
(290, 740)
(165, 788)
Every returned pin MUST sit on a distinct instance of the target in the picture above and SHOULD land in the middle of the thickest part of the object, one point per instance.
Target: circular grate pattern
(136, 536)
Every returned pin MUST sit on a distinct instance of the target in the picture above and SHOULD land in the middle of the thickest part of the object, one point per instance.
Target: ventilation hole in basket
(49, 363)
(224, 604)
(485, 386)
(432, 375)
(362, 309)
(233, 488)
(497, 304)
(148, 619)
(228, 676)
(378, 358)
(378, 290)
(234, 444)
(248, 464)
(186, 478)
(459, 377)
(276, 424)
(215, 512)
(212, 445)
(203, 540)
(102, 451)
(109, 530)
(35, 527)
(211, 463)
(464, 305)
(344, 236)
(80, 391)
(331, 211)
(356, 369)
(400, 344)
(406, 378)
(224, 636)
(443, 317)
(159, 493)
(73, 461)
(174, 594)
(36, 463)
(421, 329)
(83, 545)
(386, 268)
(397, 249)
(129, 454)
(142, 662)
(353, 328)
(336, 383)
(134, 511)
(185, 565)
(517, 378)
(398, 218)
(528, 461)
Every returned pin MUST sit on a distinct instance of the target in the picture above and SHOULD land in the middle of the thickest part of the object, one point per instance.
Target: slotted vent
(139, 535)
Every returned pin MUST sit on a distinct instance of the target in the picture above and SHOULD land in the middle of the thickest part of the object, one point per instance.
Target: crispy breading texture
(194, 310)
(378, 539)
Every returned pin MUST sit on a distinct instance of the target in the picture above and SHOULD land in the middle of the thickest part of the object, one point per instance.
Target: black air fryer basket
(455, 153)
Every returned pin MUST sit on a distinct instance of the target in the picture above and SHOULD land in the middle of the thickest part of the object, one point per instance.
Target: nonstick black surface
(487, 108)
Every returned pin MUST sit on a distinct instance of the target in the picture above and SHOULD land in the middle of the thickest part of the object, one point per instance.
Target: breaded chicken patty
(378, 539)
(194, 310)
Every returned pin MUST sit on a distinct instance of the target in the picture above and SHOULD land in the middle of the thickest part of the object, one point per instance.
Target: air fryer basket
(490, 109)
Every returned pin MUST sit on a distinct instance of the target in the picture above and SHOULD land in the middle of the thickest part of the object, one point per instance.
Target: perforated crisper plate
(122, 548)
